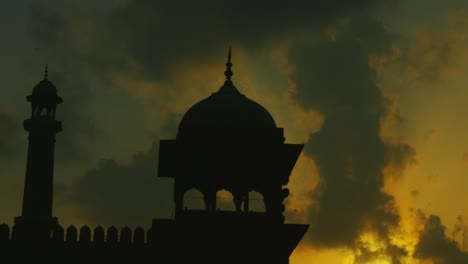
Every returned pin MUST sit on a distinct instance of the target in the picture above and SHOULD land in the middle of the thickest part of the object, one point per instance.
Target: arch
(225, 200)
(42, 111)
(256, 202)
(37, 111)
(193, 200)
(52, 112)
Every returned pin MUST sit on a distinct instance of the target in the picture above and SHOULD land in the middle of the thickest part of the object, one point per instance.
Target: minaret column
(36, 221)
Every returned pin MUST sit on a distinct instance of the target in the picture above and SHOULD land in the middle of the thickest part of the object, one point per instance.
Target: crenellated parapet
(98, 236)
(83, 245)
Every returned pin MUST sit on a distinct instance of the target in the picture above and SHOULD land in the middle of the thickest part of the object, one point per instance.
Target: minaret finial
(46, 71)
(228, 73)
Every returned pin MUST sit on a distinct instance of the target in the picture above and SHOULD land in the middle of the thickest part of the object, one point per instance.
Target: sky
(376, 90)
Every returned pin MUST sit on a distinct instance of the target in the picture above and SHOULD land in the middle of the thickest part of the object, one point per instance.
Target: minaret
(36, 220)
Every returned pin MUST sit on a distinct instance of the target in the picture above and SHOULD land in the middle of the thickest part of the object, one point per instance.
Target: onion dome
(226, 114)
(45, 92)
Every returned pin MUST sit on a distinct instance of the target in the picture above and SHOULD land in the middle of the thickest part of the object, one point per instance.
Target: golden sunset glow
(377, 92)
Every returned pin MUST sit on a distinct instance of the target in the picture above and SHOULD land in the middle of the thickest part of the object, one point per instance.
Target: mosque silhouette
(226, 141)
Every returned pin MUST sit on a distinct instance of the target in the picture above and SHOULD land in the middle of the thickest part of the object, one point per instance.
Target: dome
(226, 109)
(228, 115)
(44, 93)
(45, 88)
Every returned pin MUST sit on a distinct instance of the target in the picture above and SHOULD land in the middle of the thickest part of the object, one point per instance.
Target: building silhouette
(224, 142)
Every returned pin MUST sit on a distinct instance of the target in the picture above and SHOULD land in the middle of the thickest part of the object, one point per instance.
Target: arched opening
(193, 200)
(256, 203)
(225, 201)
(37, 111)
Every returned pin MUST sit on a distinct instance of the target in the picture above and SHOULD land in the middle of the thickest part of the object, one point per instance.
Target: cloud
(12, 139)
(10, 129)
(123, 194)
(149, 41)
(398, 157)
(415, 193)
(152, 40)
(120, 194)
(436, 246)
(55, 37)
(460, 230)
(153, 32)
(434, 52)
(333, 76)
(80, 129)
(430, 134)
(464, 156)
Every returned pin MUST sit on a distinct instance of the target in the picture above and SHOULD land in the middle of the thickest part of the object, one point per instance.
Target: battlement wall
(84, 235)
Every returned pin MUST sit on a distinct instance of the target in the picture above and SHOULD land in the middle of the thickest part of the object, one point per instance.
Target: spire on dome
(228, 73)
(46, 71)
(228, 87)
(45, 87)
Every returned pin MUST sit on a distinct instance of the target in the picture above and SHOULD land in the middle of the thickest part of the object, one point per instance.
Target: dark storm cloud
(436, 246)
(434, 52)
(153, 37)
(54, 38)
(130, 194)
(367, 256)
(124, 194)
(44, 28)
(415, 193)
(10, 129)
(460, 230)
(149, 39)
(79, 127)
(333, 76)
(398, 157)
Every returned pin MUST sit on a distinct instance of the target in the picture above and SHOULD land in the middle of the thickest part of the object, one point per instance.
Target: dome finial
(228, 73)
(46, 71)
